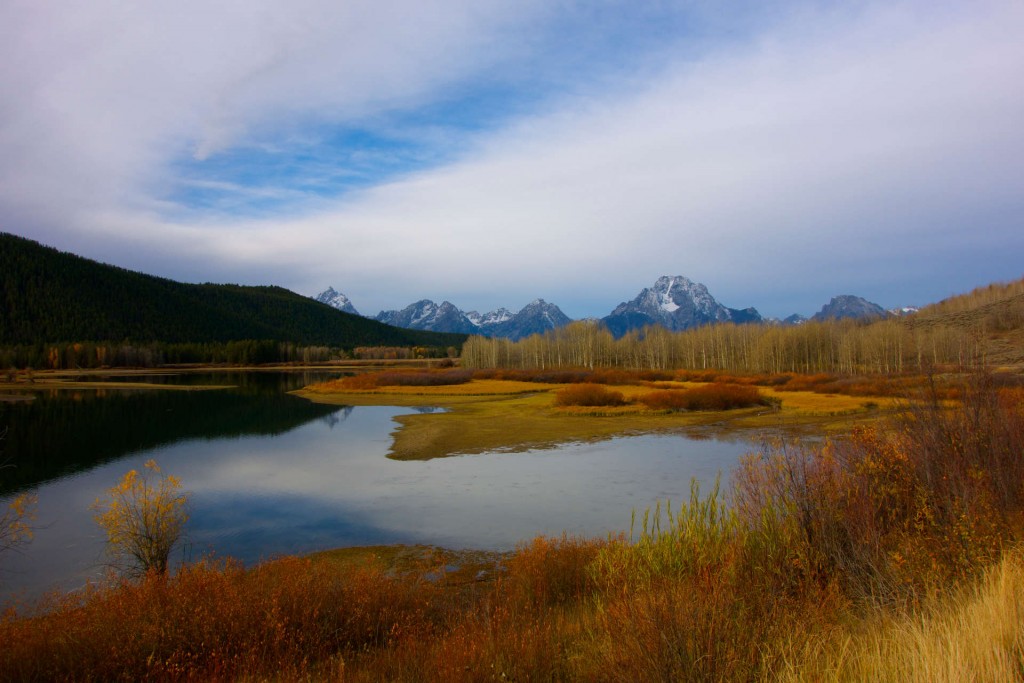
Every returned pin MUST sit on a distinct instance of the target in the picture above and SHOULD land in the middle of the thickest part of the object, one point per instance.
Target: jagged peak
(336, 299)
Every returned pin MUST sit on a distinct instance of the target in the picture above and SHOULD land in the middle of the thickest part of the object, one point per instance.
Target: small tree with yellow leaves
(16, 518)
(144, 515)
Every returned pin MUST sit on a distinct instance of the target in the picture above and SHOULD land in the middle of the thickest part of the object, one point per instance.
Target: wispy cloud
(490, 154)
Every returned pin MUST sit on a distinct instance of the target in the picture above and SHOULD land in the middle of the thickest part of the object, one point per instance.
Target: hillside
(994, 313)
(50, 296)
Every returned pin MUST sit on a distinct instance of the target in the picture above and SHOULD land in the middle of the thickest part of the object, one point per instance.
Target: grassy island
(487, 410)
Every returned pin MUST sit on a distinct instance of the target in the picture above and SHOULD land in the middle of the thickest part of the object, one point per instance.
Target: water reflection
(300, 486)
(66, 431)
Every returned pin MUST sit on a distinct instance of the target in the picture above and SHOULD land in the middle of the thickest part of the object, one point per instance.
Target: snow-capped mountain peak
(336, 299)
(492, 318)
(677, 303)
(427, 315)
(536, 317)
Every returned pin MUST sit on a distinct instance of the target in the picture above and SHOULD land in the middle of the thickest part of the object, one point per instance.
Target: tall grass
(977, 634)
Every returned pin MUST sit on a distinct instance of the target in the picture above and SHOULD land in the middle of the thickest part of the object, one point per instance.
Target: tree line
(93, 355)
(835, 346)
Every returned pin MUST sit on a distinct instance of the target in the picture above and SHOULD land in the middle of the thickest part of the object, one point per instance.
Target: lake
(273, 474)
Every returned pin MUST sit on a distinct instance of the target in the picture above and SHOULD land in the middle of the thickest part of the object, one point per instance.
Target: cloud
(100, 100)
(873, 149)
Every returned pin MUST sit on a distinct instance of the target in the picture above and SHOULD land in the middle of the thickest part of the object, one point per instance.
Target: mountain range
(536, 317)
(674, 302)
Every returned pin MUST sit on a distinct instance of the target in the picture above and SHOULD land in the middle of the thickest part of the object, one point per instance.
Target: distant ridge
(48, 296)
(849, 306)
(535, 318)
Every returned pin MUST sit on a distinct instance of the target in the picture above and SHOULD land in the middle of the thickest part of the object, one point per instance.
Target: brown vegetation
(816, 549)
(589, 395)
(708, 397)
(399, 378)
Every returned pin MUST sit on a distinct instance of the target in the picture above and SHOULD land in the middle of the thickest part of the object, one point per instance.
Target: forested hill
(51, 296)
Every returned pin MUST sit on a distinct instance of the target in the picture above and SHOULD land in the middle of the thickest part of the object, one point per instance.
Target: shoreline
(510, 416)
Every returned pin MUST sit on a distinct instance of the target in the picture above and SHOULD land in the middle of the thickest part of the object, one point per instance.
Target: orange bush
(665, 399)
(550, 571)
(899, 511)
(287, 617)
(588, 395)
(709, 397)
(390, 378)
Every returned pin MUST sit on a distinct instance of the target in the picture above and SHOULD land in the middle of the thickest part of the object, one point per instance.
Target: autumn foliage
(589, 395)
(707, 397)
(144, 515)
(401, 378)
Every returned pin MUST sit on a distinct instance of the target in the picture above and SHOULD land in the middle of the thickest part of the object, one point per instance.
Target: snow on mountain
(336, 299)
(427, 315)
(536, 317)
(489, 319)
(904, 310)
(676, 303)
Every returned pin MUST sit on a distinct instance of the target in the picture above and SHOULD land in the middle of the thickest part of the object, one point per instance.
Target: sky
(490, 153)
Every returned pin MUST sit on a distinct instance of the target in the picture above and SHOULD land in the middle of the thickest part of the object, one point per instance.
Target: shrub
(144, 515)
(286, 620)
(550, 571)
(612, 377)
(409, 378)
(666, 399)
(588, 395)
(708, 397)
(898, 512)
(423, 379)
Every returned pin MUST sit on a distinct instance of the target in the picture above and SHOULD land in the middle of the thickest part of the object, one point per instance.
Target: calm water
(272, 474)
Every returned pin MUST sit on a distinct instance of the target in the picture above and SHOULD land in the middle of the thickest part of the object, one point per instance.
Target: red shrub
(668, 399)
(707, 397)
(588, 395)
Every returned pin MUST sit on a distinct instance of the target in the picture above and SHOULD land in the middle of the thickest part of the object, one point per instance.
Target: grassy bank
(889, 555)
(521, 411)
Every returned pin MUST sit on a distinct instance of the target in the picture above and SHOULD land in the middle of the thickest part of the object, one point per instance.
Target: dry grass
(975, 635)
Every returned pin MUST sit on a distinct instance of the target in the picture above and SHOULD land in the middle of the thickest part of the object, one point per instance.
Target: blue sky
(490, 153)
